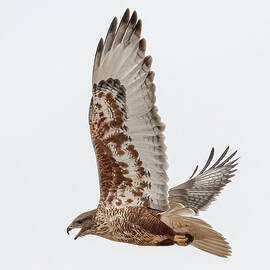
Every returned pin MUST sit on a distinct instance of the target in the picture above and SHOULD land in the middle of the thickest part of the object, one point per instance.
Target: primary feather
(198, 192)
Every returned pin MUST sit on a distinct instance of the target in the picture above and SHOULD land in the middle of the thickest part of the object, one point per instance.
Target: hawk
(135, 203)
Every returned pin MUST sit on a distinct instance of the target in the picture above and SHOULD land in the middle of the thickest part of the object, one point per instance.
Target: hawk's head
(84, 222)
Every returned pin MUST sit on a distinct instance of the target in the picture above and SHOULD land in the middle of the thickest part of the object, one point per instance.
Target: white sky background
(211, 60)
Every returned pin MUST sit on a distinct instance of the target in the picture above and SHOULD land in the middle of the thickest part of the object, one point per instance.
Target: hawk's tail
(196, 232)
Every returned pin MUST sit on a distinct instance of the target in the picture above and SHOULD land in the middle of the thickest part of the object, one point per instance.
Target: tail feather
(204, 236)
(220, 249)
(213, 242)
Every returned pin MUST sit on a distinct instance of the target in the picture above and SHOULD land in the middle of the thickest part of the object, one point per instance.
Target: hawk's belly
(134, 225)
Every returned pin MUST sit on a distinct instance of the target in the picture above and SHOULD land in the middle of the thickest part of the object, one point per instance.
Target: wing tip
(142, 45)
(113, 25)
(126, 16)
(151, 76)
(148, 61)
(138, 28)
(134, 17)
(100, 45)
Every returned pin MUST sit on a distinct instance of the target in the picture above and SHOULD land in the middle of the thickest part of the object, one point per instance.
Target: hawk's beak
(68, 229)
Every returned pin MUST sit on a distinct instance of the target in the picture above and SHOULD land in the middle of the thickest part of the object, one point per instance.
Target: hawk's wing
(125, 127)
(198, 192)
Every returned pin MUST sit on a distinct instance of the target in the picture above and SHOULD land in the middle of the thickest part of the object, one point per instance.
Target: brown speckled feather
(125, 127)
(134, 225)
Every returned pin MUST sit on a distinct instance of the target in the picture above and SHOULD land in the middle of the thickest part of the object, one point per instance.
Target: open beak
(81, 233)
(69, 228)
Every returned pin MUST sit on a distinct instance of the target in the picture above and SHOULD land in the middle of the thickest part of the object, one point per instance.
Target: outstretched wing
(125, 127)
(198, 192)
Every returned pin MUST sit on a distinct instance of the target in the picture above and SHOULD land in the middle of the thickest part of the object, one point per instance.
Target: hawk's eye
(79, 221)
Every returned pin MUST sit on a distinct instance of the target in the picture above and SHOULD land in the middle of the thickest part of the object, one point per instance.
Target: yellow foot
(183, 239)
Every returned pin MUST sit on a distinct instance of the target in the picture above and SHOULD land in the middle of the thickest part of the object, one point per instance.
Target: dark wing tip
(142, 45)
(134, 17)
(148, 61)
(113, 26)
(126, 15)
(151, 76)
(195, 170)
(138, 28)
(208, 161)
(218, 163)
(220, 158)
(100, 45)
(233, 163)
(227, 159)
(98, 53)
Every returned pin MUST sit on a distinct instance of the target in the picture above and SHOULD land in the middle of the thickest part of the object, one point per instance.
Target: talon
(189, 237)
(183, 239)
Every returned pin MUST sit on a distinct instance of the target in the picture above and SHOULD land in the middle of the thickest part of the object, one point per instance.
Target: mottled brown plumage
(135, 206)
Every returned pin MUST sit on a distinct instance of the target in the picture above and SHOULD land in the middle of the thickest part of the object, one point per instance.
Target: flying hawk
(135, 204)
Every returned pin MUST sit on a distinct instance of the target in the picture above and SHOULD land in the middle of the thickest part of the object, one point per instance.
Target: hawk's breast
(134, 225)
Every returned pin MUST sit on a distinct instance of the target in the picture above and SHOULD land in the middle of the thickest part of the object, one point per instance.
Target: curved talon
(183, 239)
(190, 238)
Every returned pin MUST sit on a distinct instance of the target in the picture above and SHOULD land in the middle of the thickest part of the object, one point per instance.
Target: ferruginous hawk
(135, 204)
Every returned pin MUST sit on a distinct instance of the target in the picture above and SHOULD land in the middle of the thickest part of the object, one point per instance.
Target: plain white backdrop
(211, 60)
